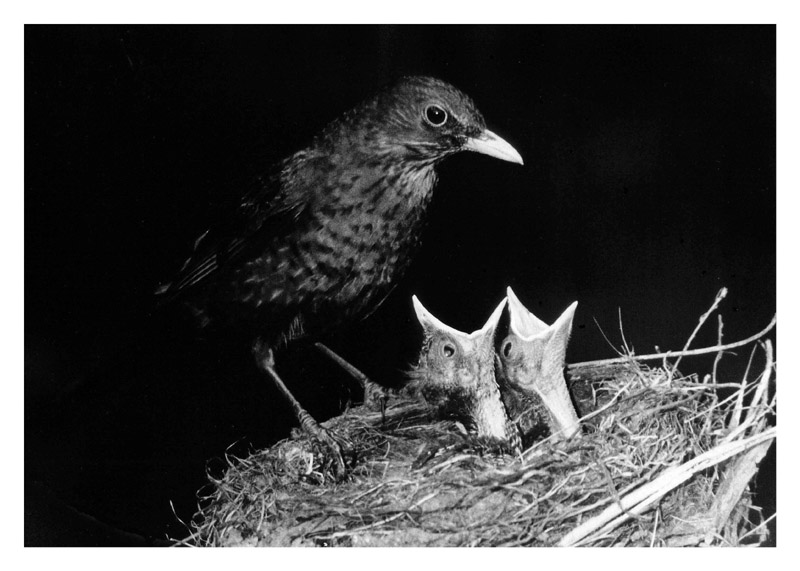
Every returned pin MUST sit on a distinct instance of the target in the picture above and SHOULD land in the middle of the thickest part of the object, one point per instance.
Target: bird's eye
(506, 349)
(448, 350)
(435, 115)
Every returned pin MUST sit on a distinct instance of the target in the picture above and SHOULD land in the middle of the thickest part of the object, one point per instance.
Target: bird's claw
(341, 454)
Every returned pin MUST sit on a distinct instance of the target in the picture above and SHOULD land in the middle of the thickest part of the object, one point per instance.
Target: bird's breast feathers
(351, 250)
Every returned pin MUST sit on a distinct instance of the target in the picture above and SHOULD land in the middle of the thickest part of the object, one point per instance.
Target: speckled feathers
(323, 236)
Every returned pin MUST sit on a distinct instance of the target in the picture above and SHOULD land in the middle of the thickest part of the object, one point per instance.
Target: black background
(649, 184)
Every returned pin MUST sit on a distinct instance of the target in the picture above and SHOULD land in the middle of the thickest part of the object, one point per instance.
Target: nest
(664, 460)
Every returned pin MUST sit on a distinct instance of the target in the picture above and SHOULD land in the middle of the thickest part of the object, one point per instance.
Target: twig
(718, 357)
(661, 408)
(379, 523)
(734, 482)
(691, 353)
(187, 541)
(627, 350)
(761, 391)
(717, 300)
(183, 523)
(641, 499)
(655, 529)
(609, 481)
(737, 409)
(603, 333)
(759, 526)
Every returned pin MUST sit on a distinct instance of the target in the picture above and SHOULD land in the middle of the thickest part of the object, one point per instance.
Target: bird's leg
(266, 362)
(362, 379)
(373, 392)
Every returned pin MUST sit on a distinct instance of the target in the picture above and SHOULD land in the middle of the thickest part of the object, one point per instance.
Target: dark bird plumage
(324, 235)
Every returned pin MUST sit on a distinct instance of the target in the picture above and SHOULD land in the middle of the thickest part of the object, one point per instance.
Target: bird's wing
(261, 215)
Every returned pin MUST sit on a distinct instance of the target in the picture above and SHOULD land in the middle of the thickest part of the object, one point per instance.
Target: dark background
(649, 184)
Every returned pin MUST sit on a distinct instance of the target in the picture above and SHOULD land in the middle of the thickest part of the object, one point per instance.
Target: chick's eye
(435, 115)
(448, 350)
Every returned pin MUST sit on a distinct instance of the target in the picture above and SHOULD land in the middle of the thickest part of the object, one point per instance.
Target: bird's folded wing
(254, 223)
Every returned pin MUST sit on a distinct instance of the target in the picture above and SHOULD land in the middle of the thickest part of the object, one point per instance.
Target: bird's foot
(376, 397)
(338, 454)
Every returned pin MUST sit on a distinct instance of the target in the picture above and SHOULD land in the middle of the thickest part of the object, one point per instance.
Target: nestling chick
(455, 373)
(531, 368)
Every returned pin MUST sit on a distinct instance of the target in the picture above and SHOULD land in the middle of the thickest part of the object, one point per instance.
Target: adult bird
(323, 236)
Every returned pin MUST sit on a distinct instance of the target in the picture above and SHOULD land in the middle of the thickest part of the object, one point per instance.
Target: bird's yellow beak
(488, 143)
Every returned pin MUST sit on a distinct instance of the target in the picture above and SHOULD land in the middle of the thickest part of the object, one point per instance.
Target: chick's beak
(490, 144)
(558, 403)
